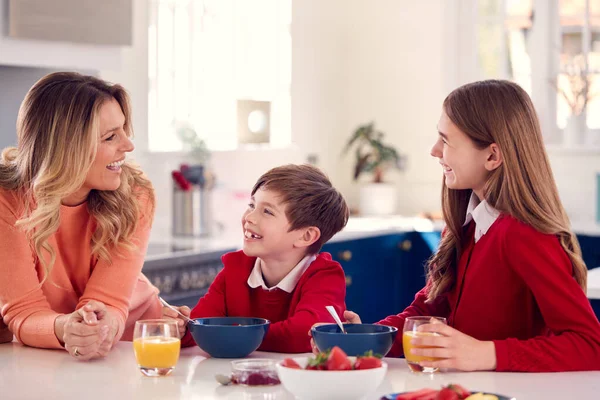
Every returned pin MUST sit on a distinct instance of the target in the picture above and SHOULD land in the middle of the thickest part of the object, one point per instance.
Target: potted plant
(374, 157)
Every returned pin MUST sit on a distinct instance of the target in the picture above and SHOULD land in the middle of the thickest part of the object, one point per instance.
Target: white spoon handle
(336, 318)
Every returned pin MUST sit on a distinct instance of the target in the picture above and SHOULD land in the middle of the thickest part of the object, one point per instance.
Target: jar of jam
(254, 372)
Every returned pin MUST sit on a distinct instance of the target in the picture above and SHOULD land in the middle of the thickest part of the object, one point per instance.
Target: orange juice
(412, 359)
(156, 351)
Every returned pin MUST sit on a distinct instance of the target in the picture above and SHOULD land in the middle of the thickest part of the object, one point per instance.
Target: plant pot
(377, 199)
(574, 133)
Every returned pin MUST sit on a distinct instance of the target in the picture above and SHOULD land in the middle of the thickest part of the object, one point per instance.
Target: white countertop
(593, 284)
(27, 373)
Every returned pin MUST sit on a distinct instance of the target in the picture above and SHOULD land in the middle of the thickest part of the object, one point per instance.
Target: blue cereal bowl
(359, 339)
(229, 337)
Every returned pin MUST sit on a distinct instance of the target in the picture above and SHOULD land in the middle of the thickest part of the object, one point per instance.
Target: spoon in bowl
(187, 319)
(336, 318)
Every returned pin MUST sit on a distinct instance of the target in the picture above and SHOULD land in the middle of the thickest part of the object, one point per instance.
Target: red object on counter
(180, 180)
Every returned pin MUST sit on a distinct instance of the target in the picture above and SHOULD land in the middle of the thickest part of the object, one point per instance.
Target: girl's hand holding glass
(412, 336)
(446, 347)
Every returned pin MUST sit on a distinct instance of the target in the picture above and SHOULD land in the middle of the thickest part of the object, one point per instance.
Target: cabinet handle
(405, 245)
(348, 280)
(345, 255)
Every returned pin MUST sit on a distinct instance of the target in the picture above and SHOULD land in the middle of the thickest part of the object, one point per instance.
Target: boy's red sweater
(291, 314)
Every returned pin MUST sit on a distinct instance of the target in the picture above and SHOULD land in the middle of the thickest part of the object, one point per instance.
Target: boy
(280, 275)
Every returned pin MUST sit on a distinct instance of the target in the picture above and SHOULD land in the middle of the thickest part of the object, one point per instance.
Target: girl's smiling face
(465, 166)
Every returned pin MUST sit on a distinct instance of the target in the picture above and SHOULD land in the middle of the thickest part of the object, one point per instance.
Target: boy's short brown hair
(309, 199)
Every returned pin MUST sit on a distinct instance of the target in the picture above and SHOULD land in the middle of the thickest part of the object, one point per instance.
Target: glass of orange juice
(410, 331)
(156, 346)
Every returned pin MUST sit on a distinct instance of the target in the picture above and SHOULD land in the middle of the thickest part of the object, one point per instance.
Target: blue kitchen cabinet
(372, 280)
(416, 249)
(383, 273)
(590, 248)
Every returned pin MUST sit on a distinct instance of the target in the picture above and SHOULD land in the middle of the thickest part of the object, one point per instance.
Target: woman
(75, 219)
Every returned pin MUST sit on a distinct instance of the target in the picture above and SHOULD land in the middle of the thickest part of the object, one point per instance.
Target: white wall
(357, 61)
(396, 77)
(319, 81)
(575, 173)
(352, 61)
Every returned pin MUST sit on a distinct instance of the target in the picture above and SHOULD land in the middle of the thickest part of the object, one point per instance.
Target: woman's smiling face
(114, 143)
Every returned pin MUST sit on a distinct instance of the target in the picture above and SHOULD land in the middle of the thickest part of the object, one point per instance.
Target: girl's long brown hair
(501, 112)
(58, 134)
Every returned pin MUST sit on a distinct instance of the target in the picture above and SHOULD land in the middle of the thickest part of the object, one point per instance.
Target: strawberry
(461, 391)
(368, 361)
(289, 363)
(428, 396)
(319, 362)
(417, 395)
(447, 394)
(338, 360)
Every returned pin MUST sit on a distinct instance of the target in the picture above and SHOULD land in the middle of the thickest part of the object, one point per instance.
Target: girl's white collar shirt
(482, 213)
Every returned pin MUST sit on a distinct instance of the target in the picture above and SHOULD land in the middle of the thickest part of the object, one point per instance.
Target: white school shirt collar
(288, 283)
(482, 213)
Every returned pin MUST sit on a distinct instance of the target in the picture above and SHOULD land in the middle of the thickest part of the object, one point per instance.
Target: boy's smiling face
(266, 228)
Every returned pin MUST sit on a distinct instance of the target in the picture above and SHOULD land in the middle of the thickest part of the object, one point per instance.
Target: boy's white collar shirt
(483, 214)
(288, 283)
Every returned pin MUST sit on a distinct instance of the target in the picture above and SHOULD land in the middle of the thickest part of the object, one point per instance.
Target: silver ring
(76, 352)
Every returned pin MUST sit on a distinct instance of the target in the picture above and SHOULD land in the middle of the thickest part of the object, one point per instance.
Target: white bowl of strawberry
(332, 375)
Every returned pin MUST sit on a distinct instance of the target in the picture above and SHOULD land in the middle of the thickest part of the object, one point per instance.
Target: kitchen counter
(169, 252)
(230, 238)
(27, 373)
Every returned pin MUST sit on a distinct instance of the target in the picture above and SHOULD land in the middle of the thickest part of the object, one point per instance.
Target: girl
(74, 220)
(508, 274)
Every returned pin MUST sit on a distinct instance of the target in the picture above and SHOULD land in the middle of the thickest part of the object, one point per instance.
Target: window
(580, 54)
(502, 40)
(549, 47)
(204, 56)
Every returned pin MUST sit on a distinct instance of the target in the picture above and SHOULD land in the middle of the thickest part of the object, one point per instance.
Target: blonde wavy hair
(501, 112)
(57, 139)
